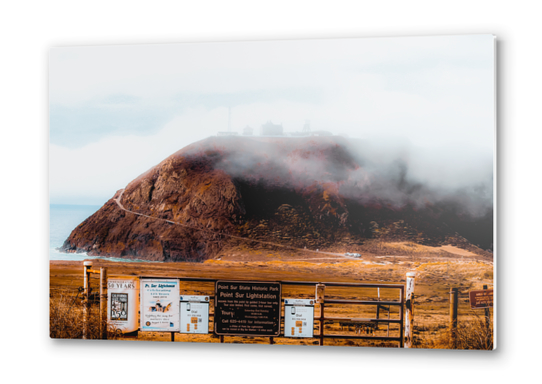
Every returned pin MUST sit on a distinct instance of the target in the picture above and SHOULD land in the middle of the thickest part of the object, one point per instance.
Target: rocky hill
(326, 193)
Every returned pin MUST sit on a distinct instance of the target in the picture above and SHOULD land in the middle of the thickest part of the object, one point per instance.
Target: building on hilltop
(247, 131)
(306, 131)
(226, 133)
(270, 129)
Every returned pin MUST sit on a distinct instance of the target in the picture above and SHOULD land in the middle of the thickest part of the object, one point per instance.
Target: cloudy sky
(116, 111)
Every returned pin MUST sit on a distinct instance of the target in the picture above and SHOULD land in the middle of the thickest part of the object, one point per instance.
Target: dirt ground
(437, 270)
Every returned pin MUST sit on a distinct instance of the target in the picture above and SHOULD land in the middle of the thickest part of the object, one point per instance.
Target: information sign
(160, 305)
(123, 299)
(194, 314)
(481, 299)
(246, 308)
(298, 317)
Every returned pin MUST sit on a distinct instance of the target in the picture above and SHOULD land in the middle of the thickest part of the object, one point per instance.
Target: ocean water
(63, 220)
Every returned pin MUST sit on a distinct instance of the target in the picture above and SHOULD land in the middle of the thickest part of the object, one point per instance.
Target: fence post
(378, 308)
(486, 313)
(103, 303)
(320, 296)
(410, 277)
(453, 316)
(86, 301)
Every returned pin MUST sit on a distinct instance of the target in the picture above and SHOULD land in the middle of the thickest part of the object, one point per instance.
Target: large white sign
(160, 305)
(123, 299)
(194, 314)
(298, 318)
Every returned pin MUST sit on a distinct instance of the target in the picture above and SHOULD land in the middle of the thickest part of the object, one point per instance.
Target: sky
(116, 111)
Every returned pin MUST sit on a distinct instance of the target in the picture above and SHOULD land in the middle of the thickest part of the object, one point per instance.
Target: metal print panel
(356, 175)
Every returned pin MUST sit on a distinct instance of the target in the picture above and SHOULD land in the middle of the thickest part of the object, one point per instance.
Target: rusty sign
(481, 299)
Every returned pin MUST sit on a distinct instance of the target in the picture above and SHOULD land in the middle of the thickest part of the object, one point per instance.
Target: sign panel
(123, 303)
(194, 314)
(247, 308)
(160, 305)
(298, 317)
(481, 299)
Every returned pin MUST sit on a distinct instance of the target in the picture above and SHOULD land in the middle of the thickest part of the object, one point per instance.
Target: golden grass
(66, 317)
(472, 333)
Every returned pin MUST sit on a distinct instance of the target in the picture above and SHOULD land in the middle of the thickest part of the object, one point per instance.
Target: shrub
(474, 334)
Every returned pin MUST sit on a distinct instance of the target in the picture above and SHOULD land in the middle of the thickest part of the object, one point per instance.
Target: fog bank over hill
(398, 174)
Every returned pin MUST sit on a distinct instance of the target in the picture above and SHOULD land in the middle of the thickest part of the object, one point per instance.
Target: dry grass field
(437, 270)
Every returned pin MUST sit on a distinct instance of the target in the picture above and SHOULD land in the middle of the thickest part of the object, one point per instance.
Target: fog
(396, 174)
(422, 106)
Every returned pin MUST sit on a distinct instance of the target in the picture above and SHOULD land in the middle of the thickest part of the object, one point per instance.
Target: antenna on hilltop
(307, 127)
(229, 119)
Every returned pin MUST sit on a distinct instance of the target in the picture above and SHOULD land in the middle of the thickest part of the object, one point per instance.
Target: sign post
(454, 300)
(245, 308)
(160, 305)
(103, 303)
(410, 278)
(298, 317)
(320, 293)
(86, 298)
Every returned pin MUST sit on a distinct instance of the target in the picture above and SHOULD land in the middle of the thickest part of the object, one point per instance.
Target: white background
(29, 29)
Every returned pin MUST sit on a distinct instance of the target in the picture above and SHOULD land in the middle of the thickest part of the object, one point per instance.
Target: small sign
(119, 306)
(160, 305)
(298, 317)
(481, 299)
(246, 308)
(194, 314)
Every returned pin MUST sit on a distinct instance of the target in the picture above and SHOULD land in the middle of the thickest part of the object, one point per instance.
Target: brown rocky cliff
(176, 190)
(291, 191)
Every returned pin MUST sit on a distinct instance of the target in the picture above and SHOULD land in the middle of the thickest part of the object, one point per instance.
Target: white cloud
(94, 172)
